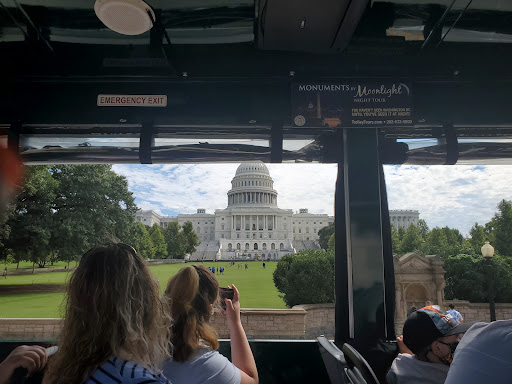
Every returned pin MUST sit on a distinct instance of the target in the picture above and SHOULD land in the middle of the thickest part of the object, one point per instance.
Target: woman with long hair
(116, 329)
(192, 295)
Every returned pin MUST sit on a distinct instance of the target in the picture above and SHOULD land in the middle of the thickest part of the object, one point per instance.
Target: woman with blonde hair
(116, 329)
(192, 295)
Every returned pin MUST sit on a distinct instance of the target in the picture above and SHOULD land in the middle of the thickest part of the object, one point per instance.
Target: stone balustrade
(299, 322)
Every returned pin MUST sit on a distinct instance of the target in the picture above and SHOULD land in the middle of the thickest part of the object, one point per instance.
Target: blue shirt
(119, 371)
(456, 314)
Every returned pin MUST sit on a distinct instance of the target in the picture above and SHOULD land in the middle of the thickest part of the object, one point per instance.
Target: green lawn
(31, 305)
(256, 288)
(36, 278)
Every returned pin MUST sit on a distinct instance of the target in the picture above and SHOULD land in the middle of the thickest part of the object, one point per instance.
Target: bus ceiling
(218, 79)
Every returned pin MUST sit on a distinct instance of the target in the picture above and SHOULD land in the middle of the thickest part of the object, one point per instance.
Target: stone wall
(319, 320)
(472, 312)
(29, 329)
(299, 322)
(258, 324)
(267, 323)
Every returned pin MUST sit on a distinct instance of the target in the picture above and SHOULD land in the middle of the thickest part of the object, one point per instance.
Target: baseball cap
(429, 324)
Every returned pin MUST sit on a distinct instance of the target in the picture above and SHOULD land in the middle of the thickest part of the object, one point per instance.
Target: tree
(306, 278)
(436, 242)
(423, 228)
(5, 229)
(468, 277)
(142, 241)
(502, 224)
(282, 270)
(175, 240)
(395, 240)
(478, 238)
(157, 238)
(331, 243)
(454, 241)
(401, 233)
(62, 211)
(412, 240)
(30, 224)
(324, 234)
(93, 205)
(191, 237)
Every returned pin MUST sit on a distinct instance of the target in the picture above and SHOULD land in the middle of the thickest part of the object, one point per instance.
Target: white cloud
(457, 196)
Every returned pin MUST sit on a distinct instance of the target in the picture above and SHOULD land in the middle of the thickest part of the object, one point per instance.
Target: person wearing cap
(432, 336)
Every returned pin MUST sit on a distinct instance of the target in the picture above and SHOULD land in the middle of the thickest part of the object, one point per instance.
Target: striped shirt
(119, 371)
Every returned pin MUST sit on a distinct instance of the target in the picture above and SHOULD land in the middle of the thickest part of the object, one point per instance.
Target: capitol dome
(258, 167)
(252, 186)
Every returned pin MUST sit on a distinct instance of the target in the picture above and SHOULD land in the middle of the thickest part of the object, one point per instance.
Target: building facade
(403, 218)
(252, 225)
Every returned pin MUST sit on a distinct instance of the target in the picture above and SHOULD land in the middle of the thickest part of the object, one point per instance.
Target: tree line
(173, 242)
(467, 272)
(61, 211)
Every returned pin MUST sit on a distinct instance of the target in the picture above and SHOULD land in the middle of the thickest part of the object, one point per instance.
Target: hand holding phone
(225, 293)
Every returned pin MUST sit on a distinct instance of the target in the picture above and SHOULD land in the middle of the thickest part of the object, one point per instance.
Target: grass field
(256, 288)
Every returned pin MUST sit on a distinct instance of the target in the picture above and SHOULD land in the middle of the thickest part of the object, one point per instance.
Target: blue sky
(457, 196)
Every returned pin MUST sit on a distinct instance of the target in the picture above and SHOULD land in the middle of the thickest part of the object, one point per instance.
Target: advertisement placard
(352, 104)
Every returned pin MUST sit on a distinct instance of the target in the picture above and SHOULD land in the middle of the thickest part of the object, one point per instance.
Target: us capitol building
(252, 224)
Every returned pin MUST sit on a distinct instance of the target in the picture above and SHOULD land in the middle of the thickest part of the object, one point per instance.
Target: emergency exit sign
(132, 101)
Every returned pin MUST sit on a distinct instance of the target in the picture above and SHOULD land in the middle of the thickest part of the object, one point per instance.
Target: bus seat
(357, 363)
(354, 376)
(334, 361)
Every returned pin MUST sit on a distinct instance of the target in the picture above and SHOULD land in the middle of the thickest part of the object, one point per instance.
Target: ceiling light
(127, 17)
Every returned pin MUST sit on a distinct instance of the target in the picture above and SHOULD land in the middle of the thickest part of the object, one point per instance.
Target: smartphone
(225, 293)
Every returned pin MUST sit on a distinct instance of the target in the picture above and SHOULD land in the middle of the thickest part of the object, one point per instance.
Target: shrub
(306, 278)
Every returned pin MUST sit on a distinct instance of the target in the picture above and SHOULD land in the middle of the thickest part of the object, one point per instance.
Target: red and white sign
(132, 100)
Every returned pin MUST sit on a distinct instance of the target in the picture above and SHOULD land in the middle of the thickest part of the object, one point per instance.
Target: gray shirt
(407, 369)
(205, 366)
(484, 355)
